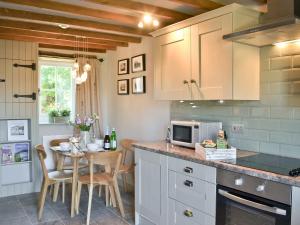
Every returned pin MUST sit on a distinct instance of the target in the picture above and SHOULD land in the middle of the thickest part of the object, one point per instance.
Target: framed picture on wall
(138, 63)
(123, 66)
(139, 85)
(17, 130)
(123, 87)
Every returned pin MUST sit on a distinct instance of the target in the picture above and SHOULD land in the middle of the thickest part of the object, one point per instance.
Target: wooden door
(212, 67)
(173, 65)
(151, 185)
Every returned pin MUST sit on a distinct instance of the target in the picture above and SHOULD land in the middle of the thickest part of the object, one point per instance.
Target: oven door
(183, 135)
(239, 208)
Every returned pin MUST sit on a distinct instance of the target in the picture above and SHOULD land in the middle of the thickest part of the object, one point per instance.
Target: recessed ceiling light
(155, 23)
(140, 25)
(147, 18)
(63, 26)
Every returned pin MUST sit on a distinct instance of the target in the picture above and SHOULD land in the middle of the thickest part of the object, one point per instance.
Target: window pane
(47, 101)
(48, 77)
(64, 78)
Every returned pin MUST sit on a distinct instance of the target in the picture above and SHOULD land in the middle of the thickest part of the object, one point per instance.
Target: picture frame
(123, 66)
(17, 130)
(138, 85)
(138, 63)
(123, 87)
(21, 152)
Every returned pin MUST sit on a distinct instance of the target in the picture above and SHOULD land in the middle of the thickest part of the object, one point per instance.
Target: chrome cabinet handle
(188, 213)
(252, 204)
(188, 183)
(188, 169)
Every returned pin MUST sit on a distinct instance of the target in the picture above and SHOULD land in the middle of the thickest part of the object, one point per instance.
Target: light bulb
(147, 18)
(87, 67)
(84, 76)
(140, 25)
(76, 65)
(155, 23)
(78, 80)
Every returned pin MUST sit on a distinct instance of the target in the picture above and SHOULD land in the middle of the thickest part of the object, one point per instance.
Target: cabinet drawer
(196, 170)
(192, 191)
(180, 214)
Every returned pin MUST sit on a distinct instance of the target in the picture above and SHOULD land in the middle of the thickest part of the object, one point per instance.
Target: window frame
(56, 62)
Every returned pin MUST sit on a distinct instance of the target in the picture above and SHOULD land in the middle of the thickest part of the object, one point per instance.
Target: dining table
(75, 157)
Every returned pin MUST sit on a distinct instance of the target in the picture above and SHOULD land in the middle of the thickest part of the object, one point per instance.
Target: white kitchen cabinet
(193, 62)
(222, 69)
(151, 186)
(173, 65)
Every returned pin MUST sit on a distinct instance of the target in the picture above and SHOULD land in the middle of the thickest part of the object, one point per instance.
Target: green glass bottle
(113, 140)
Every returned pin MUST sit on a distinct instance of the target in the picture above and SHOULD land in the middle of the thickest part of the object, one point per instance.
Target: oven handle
(252, 204)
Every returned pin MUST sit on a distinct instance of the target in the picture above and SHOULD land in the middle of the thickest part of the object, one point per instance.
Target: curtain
(88, 96)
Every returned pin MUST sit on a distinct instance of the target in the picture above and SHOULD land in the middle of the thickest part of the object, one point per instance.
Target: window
(57, 88)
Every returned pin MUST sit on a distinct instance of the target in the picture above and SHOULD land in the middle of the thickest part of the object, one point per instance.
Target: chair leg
(124, 182)
(55, 193)
(78, 197)
(119, 199)
(42, 199)
(106, 196)
(113, 196)
(89, 204)
(63, 191)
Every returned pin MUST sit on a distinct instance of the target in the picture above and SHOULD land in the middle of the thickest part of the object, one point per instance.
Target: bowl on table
(92, 147)
(65, 146)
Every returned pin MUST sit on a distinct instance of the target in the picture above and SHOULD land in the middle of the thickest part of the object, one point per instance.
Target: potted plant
(57, 116)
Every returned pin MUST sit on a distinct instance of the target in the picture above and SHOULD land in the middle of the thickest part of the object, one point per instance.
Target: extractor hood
(280, 24)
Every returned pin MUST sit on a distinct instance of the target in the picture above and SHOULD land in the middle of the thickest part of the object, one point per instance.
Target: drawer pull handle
(188, 213)
(188, 183)
(188, 170)
(2, 80)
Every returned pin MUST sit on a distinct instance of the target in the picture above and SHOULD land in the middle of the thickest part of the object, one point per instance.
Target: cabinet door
(173, 65)
(151, 185)
(212, 59)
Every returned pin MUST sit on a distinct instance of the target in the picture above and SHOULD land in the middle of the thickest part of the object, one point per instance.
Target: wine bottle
(113, 140)
(107, 140)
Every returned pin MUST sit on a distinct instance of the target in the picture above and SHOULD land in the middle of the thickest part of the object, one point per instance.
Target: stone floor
(22, 210)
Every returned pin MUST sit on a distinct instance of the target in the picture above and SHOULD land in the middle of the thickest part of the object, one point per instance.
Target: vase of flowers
(84, 124)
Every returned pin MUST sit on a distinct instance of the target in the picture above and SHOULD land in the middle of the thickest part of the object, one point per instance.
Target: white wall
(136, 116)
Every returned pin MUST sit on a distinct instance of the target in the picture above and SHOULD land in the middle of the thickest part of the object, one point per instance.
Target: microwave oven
(188, 133)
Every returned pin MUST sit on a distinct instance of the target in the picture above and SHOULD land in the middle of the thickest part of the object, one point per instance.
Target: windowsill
(58, 124)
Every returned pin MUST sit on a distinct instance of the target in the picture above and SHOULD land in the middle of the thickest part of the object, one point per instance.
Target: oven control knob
(261, 188)
(239, 182)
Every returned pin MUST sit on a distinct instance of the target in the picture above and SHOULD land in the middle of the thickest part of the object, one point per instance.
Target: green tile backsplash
(271, 125)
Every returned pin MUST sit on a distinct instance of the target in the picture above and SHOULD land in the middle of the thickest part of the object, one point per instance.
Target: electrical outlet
(237, 128)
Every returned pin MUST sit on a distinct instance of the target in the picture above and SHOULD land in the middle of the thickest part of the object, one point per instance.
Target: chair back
(126, 145)
(42, 156)
(56, 142)
(111, 160)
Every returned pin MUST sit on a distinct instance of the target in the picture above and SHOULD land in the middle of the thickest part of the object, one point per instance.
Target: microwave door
(182, 134)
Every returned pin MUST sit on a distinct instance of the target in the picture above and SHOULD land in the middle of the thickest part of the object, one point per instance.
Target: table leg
(74, 185)
(59, 167)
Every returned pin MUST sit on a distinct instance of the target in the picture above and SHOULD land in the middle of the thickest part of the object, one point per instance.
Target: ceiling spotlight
(147, 18)
(221, 101)
(181, 101)
(140, 25)
(63, 26)
(194, 106)
(155, 23)
(191, 103)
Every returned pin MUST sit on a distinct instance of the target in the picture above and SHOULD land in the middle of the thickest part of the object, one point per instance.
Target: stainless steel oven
(247, 200)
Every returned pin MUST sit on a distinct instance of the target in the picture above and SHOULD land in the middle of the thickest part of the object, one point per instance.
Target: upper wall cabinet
(203, 66)
(173, 64)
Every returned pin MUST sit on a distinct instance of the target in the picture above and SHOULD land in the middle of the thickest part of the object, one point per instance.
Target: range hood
(280, 24)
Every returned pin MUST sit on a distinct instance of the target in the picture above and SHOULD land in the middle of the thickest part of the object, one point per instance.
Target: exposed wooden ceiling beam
(62, 55)
(79, 10)
(13, 31)
(203, 4)
(55, 42)
(75, 32)
(48, 46)
(143, 7)
(20, 14)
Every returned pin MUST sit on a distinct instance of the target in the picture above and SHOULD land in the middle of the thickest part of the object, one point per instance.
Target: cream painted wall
(134, 116)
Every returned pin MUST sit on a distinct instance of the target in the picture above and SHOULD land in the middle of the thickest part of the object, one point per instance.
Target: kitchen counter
(190, 155)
